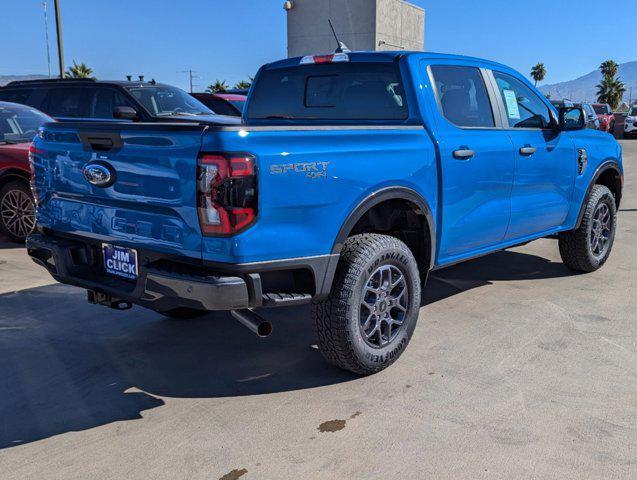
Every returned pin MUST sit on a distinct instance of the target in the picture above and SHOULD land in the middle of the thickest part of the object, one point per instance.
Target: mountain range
(4, 79)
(585, 88)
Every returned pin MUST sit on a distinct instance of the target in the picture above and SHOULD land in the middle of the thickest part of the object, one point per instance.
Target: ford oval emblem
(99, 174)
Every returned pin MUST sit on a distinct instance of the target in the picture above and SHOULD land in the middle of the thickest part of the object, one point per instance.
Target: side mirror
(572, 118)
(125, 113)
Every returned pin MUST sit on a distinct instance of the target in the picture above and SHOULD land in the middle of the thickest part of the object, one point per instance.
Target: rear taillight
(227, 192)
(34, 190)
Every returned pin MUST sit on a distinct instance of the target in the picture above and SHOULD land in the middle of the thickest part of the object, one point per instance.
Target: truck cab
(350, 178)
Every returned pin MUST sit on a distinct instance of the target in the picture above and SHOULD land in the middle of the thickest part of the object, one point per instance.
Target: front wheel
(17, 211)
(371, 312)
(587, 248)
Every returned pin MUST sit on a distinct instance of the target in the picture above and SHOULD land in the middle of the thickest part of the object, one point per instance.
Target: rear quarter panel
(310, 179)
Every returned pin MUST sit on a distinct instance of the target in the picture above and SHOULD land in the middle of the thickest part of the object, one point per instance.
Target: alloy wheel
(18, 213)
(600, 230)
(383, 306)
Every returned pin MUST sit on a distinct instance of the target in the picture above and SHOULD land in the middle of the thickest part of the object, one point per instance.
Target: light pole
(46, 35)
(58, 29)
(190, 77)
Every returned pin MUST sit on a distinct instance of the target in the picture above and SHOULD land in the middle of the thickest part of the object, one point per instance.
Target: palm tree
(538, 72)
(609, 68)
(243, 84)
(218, 86)
(611, 90)
(79, 70)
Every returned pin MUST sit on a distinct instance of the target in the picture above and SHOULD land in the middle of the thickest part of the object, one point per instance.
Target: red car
(605, 116)
(18, 126)
(223, 103)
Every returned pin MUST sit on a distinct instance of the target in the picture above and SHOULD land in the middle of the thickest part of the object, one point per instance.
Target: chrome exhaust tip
(262, 328)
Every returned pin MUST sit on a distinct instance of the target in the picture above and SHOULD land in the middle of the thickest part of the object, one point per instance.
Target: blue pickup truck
(350, 178)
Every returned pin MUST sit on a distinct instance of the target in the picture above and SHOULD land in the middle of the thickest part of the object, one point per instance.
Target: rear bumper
(165, 283)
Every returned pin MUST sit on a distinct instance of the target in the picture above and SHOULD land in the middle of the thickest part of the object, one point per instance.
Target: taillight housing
(31, 156)
(226, 192)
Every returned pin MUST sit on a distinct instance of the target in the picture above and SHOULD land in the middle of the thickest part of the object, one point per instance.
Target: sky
(224, 39)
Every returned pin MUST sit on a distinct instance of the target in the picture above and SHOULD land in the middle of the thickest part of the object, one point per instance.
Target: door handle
(527, 150)
(463, 154)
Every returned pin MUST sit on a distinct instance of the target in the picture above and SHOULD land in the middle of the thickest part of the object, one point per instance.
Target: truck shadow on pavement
(69, 366)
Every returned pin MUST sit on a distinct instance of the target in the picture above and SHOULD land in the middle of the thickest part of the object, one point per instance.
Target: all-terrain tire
(576, 249)
(17, 210)
(338, 320)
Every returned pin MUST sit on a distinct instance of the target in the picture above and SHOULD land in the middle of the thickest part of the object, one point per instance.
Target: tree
(609, 68)
(79, 70)
(218, 86)
(243, 84)
(611, 90)
(538, 72)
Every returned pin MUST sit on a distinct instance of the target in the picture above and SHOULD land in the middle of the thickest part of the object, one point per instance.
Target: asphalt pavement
(518, 369)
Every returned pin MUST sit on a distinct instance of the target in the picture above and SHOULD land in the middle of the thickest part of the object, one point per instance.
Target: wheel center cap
(382, 306)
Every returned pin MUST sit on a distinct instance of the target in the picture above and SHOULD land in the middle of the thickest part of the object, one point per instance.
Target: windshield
(164, 101)
(633, 112)
(19, 124)
(238, 103)
(601, 109)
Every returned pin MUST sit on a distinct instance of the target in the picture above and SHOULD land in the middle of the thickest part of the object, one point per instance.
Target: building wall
(360, 24)
(399, 26)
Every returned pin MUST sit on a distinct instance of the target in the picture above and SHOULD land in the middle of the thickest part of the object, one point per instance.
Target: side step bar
(285, 299)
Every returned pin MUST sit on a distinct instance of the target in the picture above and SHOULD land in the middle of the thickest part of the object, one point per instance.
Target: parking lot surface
(518, 369)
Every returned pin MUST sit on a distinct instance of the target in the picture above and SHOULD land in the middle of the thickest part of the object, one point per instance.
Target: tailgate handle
(101, 141)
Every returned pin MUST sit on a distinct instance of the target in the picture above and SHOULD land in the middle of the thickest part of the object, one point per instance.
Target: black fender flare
(382, 195)
(613, 166)
(8, 174)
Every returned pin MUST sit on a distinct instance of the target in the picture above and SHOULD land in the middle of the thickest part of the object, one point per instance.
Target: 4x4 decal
(311, 169)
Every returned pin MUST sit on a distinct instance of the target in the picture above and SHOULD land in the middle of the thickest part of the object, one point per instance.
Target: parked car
(630, 124)
(606, 117)
(562, 103)
(237, 91)
(353, 176)
(222, 103)
(73, 99)
(591, 117)
(18, 126)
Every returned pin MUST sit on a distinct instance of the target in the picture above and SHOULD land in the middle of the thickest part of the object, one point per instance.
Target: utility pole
(46, 35)
(190, 77)
(58, 29)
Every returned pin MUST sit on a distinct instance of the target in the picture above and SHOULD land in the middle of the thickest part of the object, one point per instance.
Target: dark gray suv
(86, 99)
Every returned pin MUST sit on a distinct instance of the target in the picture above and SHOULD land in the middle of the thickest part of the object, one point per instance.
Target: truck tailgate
(150, 200)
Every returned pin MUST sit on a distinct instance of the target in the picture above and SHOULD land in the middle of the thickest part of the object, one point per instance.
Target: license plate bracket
(120, 261)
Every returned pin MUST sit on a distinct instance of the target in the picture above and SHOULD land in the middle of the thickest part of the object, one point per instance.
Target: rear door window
(524, 108)
(69, 102)
(462, 96)
(16, 96)
(336, 91)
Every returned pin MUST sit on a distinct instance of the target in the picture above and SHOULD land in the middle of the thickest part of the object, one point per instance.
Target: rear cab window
(462, 96)
(356, 91)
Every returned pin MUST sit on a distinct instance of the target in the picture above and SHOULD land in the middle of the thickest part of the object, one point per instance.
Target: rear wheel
(17, 210)
(370, 315)
(588, 247)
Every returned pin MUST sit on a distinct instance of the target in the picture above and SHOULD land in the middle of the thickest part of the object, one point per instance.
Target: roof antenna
(342, 48)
